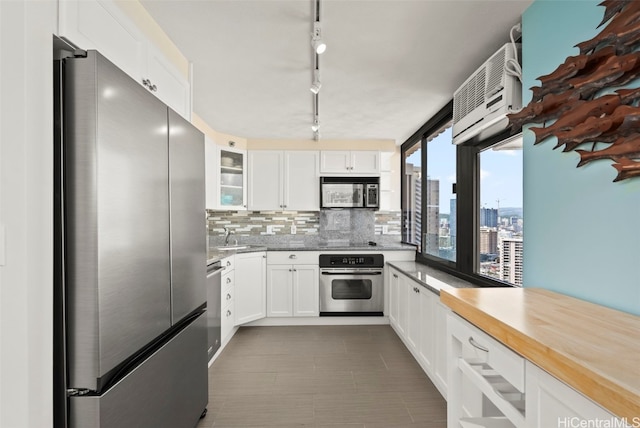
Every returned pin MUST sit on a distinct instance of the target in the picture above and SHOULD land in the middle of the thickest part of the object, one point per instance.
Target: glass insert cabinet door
(232, 179)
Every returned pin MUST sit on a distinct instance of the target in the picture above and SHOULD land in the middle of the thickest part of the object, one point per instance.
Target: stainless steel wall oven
(351, 284)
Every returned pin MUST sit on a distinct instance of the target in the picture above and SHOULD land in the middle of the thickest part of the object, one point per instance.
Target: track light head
(319, 46)
(316, 85)
(316, 125)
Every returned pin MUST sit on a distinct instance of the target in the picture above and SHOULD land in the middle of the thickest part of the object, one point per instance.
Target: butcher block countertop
(594, 349)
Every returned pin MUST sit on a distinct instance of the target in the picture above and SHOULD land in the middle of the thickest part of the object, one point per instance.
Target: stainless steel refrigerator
(130, 334)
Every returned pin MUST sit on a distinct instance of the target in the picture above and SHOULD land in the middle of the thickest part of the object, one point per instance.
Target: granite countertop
(432, 279)
(214, 254)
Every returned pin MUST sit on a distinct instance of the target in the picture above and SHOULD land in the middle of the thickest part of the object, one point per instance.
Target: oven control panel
(351, 260)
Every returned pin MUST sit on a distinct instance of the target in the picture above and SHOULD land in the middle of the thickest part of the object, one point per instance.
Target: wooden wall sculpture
(577, 95)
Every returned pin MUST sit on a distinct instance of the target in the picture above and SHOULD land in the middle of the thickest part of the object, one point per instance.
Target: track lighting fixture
(319, 46)
(316, 85)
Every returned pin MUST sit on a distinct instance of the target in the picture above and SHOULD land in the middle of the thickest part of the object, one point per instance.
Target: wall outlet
(385, 229)
(270, 229)
(294, 229)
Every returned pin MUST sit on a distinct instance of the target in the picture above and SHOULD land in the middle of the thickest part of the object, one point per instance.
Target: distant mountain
(510, 212)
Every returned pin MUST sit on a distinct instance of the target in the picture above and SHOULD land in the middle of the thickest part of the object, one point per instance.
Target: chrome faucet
(227, 233)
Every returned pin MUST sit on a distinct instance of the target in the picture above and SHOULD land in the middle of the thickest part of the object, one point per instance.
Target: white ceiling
(389, 64)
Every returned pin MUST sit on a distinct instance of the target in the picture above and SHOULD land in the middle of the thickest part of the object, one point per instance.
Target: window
(429, 204)
(440, 234)
(500, 216)
(462, 204)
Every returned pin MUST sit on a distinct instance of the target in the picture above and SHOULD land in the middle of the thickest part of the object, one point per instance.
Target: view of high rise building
(453, 222)
(511, 251)
(413, 197)
(488, 240)
(432, 242)
(488, 217)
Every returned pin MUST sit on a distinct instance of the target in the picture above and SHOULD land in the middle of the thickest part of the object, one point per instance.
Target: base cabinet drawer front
(486, 379)
(552, 403)
(292, 257)
(503, 360)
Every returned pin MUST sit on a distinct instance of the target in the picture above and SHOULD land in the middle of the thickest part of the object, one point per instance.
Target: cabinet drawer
(501, 359)
(228, 263)
(227, 315)
(228, 279)
(292, 257)
(227, 295)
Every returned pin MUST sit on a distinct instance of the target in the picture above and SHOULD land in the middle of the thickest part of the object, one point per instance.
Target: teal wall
(582, 232)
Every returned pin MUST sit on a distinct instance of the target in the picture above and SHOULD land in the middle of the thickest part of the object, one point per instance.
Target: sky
(500, 173)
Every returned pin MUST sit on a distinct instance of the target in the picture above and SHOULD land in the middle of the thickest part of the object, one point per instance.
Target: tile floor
(321, 377)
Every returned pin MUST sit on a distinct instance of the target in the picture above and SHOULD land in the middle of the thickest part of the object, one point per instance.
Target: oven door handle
(350, 273)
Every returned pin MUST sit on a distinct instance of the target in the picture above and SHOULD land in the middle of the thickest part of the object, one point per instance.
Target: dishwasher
(214, 283)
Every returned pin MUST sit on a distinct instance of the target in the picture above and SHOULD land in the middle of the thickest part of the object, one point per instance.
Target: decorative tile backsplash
(327, 225)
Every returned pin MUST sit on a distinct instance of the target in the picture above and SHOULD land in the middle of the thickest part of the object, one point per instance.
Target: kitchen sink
(232, 247)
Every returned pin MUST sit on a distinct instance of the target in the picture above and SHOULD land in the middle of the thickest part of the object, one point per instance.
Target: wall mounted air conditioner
(481, 104)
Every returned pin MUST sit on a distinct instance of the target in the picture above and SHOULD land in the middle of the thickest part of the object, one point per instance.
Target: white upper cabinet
(167, 83)
(103, 26)
(345, 162)
(283, 180)
(265, 180)
(231, 177)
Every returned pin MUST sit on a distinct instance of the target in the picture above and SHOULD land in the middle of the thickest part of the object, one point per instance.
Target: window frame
(467, 193)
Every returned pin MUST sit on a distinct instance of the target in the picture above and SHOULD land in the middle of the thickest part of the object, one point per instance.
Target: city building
(488, 217)
(488, 240)
(432, 244)
(511, 251)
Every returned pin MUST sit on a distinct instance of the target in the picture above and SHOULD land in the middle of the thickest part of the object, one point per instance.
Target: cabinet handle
(228, 280)
(228, 296)
(477, 345)
(228, 313)
(293, 256)
(290, 270)
(264, 257)
(295, 270)
(147, 84)
(395, 276)
(228, 263)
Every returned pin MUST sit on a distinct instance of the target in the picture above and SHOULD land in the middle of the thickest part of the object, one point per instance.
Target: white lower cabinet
(250, 287)
(440, 373)
(293, 284)
(403, 306)
(419, 319)
(486, 380)
(413, 314)
(427, 332)
(293, 291)
(227, 315)
(552, 403)
(394, 293)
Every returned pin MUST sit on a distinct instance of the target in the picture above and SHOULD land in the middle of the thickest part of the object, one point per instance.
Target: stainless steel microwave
(350, 192)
